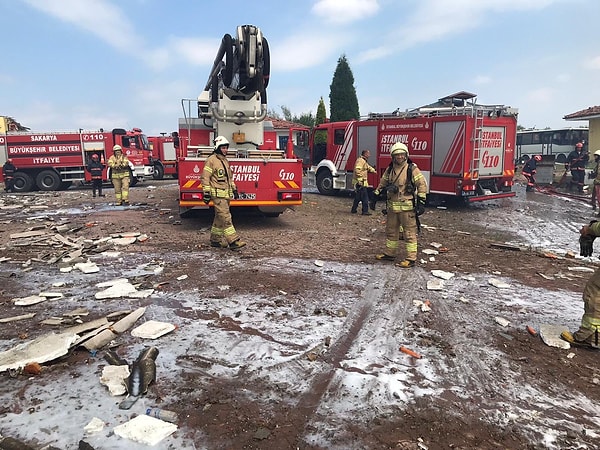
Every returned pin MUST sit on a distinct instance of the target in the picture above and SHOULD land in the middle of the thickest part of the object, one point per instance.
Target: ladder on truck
(477, 139)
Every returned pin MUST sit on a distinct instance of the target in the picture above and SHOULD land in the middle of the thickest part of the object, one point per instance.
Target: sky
(70, 64)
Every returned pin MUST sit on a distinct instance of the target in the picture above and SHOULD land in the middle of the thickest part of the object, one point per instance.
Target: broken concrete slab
(152, 329)
(29, 300)
(15, 318)
(145, 430)
(44, 348)
(550, 334)
(113, 377)
(107, 335)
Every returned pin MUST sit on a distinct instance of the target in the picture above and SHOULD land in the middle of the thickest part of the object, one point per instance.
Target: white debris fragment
(59, 284)
(502, 321)
(152, 329)
(550, 334)
(51, 294)
(435, 285)
(442, 274)
(319, 263)
(430, 251)
(117, 290)
(94, 426)
(30, 300)
(571, 355)
(181, 277)
(468, 278)
(581, 269)
(87, 267)
(498, 283)
(43, 349)
(463, 299)
(113, 377)
(436, 245)
(145, 430)
(123, 240)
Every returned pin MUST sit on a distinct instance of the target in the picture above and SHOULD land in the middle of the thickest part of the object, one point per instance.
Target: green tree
(321, 135)
(343, 104)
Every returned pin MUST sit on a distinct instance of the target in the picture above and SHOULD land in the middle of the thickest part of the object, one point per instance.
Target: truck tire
(159, 172)
(23, 182)
(48, 180)
(325, 182)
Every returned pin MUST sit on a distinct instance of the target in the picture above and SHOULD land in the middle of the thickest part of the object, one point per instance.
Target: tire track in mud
(376, 320)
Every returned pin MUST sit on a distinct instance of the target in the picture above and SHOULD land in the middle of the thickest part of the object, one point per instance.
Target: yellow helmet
(597, 153)
(117, 148)
(399, 147)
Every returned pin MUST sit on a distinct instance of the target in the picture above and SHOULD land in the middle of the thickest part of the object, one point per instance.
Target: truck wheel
(325, 182)
(23, 182)
(159, 172)
(48, 180)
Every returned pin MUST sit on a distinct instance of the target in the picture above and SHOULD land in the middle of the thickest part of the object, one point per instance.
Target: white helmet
(117, 147)
(220, 141)
(597, 153)
(399, 147)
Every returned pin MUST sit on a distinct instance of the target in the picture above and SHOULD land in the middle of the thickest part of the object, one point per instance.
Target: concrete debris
(442, 274)
(319, 263)
(430, 251)
(581, 269)
(502, 321)
(107, 335)
(498, 283)
(435, 285)
(29, 300)
(87, 267)
(550, 334)
(44, 348)
(94, 426)
(145, 430)
(113, 377)
(15, 318)
(152, 329)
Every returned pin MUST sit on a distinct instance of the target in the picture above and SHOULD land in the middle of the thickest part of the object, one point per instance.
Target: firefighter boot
(407, 263)
(384, 257)
(236, 245)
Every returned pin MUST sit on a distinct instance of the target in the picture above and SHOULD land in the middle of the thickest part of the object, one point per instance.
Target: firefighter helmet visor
(221, 141)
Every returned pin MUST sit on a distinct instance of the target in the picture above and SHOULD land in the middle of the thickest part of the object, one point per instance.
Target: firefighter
(218, 186)
(589, 330)
(8, 172)
(406, 192)
(529, 171)
(95, 168)
(119, 174)
(361, 184)
(576, 161)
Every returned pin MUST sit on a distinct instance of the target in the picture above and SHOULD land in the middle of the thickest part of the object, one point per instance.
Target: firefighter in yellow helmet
(119, 175)
(406, 190)
(218, 186)
(588, 333)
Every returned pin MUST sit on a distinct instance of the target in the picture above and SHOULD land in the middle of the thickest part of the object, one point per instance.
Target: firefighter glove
(586, 245)
(420, 208)
(206, 197)
(236, 194)
(376, 192)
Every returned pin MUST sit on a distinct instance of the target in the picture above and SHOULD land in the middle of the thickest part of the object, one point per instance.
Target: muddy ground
(294, 341)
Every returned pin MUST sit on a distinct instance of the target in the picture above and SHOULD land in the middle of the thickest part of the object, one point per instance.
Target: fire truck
(164, 155)
(234, 105)
(51, 161)
(465, 150)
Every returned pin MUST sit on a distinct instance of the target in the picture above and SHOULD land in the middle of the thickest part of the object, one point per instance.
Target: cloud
(344, 11)
(98, 17)
(434, 20)
(541, 95)
(304, 51)
(592, 63)
(483, 79)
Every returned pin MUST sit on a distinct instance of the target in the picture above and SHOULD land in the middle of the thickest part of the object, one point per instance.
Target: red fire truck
(465, 150)
(51, 161)
(164, 155)
(233, 105)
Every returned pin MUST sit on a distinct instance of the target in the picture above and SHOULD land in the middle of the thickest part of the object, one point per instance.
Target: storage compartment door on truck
(449, 141)
(367, 140)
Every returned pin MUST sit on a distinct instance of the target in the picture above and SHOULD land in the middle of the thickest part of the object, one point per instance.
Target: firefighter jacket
(591, 295)
(361, 172)
(577, 160)
(8, 170)
(530, 168)
(217, 177)
(596, 173)
(95, 169)
(119, 166)
(408, 181)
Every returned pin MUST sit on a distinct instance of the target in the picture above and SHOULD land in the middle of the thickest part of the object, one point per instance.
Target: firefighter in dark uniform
(588, 333)
(218, 186)
(95, 168)
(576, 161)
(529, 171)
(361, 183)
(8, 172)
(406, 193)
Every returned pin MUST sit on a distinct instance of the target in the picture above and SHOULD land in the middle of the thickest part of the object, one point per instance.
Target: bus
(558, 142)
